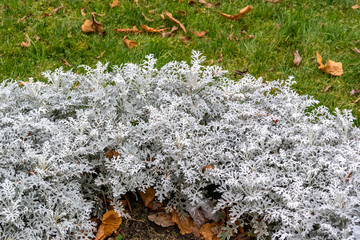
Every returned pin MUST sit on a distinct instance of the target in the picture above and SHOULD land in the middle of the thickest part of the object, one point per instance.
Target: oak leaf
(115, 3)
(297, 58)
(242, 12)
(170, 16)
(162, 218)
(200, 34)
(109, 224)
(134, 29)
(147, 196)
(152, 30)
(331, 67)
(185, 224)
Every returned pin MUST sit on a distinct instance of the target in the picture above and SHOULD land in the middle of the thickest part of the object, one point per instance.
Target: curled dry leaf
(152, 30)
(207, 5)
(209, 231)
(185, 39)
(200, 34)
(87, 26)
(186, 225)
(220, 58)
(27, 43)
(331, 67)
(111, 153)
(356, 50)
(248, 36)
(83, 12)
(356, 6)
(109, 224)
(134, 29)
(170, 16)
(146, 18)
(115, 3)
(242, 12)
(297, 58)
(162, 218)
(354, 91)
(101, 54)
(209, 165)
(327, 88)
(152, 11)
(97, 25)
(272, 1)
(147, 196)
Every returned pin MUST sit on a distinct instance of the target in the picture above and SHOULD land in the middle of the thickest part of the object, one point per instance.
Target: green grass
(328, 26)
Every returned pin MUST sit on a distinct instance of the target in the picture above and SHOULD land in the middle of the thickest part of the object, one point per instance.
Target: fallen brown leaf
(209, 165)
(248, 36)
(297, 58)
(37, 38)
(87, 26)
(156, 206)
(101, 54)
(186, 225)
(97, 25)
(242, 12)
(170, 16)
(200, 34)
(162, 16)
(152, 11)
(207, 5)
(27, 43)
(111, 153)
(331, 67)
(356, 6)
(147, 196)
(115, 3)
(209, 231)
(152, 30)
(110, 223)
(220, 58)
(83, 12)
(173, 29)
(357, 100)
(185, 39)
(44, 15)
(272, 1)
(354, 91)
(162, 218)
(211, 62)
(356, 50)
(134, 29)
(327, 88)
(65, 62)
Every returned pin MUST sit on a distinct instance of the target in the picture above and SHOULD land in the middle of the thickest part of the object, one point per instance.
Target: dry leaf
(134, 29)
(190, 2)
(115, 3)
(207, 5)
(27, 43)
(211, 61)
(357, 100)
(152, 11)
(151, 30)
(65, 62)
(356, 6)
(356, 50)
(209, 165)
(82, 12)
(87, 26)
(97, 25)
(185, 39)
(162, 16)
(162, 218)
(129, 44)
(272, 1)
(248, 36)
(110, 223)
(331, 67)
(156, 206)
(209, 231)
(169, 15)
(242, 12)
(57, 9)
(147, 196)
(44, 15)
(200, 34)
(101, 54)
(146, 18)
(297, 58)
(110, 154)
(37, 38)
(186, 225)
(327, 88)
(354, 91)
(2, 54)
(220, 58)
(173, 29)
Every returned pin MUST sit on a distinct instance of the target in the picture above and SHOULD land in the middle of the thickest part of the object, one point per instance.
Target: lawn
(329, 27)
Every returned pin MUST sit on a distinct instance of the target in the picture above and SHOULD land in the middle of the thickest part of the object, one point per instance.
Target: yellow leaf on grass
(151, 30)
(109, 224)
(186, 225)
(242, 12)
(147, 196)
(170, 16)
(331, 67)
(134, 29)
(115, 3)
(200, 34)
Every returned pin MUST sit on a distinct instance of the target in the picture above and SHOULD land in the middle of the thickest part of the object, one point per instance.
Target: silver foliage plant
(282, 164)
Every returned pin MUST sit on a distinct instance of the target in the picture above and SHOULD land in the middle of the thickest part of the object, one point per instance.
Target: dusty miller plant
(279, 162)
